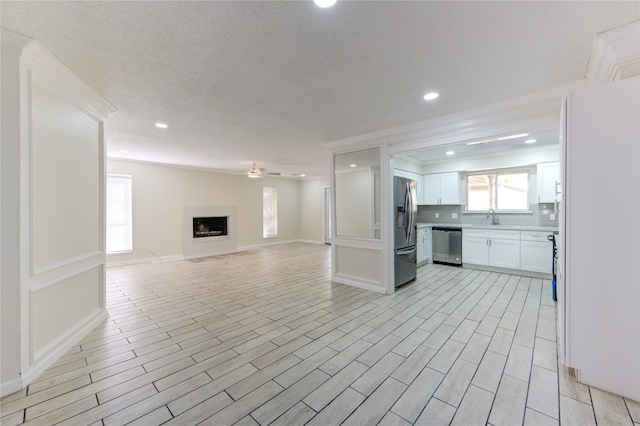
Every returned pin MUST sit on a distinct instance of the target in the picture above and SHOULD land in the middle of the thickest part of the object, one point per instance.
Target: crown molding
(612, 50)
(47, 69)
(540, 110)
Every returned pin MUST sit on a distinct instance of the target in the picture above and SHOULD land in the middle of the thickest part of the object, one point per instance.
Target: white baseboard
(156, 259)
(311, 242)
(7, 387)
(46, 358)
(355, 282)
(257, 246)
(161, 259)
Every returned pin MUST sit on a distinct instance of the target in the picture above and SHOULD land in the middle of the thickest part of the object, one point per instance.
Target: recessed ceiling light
(530, 141)
(161, 125)
(124, 152)
(450, 152)
(352, 165)
(302, 175)
(431, 96)
(324, 3)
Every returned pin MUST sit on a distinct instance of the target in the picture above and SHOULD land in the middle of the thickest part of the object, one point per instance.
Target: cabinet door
(536, 256)
(475, 250)
(431, 189)
(504, 253)
(429, 243)
(449, 188)
(422, 245)
(548, 176)
(419, 189)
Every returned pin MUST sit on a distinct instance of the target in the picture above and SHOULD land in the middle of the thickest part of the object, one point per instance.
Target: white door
(327, 216)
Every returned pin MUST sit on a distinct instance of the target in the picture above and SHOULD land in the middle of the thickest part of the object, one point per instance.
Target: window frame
(127, 206)
(500, 172)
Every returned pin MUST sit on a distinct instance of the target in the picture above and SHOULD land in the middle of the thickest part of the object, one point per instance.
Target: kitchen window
(269, 212)
(119, 222)
(501, 191)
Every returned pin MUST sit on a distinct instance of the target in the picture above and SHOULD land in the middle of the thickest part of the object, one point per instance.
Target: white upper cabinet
(441, 188)
(549, 182)
(450, 188)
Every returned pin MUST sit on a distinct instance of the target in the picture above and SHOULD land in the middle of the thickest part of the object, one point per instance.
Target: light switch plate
(454, 215)
(552, 216)
(437, 215)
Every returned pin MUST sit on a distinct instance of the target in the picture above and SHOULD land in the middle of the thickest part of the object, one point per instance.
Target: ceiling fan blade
(274, 173)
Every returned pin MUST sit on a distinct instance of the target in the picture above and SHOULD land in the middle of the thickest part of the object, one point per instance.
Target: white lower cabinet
(499, 248)
(504, 253)
(536, 252)
(424, 245)
(475, 250)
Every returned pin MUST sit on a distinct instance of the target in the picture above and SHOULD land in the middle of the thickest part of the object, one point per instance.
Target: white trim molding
(613, 50)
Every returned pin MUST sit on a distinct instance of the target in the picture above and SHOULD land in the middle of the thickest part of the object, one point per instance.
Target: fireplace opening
(210, 226)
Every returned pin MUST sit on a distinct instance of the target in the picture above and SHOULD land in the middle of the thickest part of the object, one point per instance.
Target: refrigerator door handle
(407, 223)
(406, 251)
(410, 209)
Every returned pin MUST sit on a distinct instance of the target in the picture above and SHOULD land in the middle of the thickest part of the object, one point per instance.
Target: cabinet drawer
(504, 234)
(479, 233)
(535, 235)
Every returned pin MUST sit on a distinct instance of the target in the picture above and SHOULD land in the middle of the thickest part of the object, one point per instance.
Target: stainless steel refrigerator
(405, 229)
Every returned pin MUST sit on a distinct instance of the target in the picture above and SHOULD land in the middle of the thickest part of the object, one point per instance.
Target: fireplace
(208, 230)
(204, 227)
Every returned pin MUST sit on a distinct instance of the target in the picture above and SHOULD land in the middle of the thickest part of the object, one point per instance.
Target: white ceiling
(271, 82)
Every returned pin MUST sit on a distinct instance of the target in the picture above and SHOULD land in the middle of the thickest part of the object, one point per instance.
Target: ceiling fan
(258, 173)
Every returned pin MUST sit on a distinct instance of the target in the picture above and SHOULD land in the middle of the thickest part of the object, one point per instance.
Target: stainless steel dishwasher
(447, 245)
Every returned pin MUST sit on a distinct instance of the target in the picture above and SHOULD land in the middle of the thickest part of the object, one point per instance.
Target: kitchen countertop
(487, 226)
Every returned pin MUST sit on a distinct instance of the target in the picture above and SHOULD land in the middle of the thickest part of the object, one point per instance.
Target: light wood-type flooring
(263, 337)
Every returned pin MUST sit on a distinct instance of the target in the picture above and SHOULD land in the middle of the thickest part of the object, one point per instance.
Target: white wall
(311, 226)
(52, 264)
(159, 193)
(354, 204)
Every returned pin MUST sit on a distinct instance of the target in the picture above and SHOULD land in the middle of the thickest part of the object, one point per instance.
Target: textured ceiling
(270, 82)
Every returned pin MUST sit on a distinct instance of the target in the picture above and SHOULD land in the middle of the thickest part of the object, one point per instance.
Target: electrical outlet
(437, 215)
(552, 216)
(454, 215)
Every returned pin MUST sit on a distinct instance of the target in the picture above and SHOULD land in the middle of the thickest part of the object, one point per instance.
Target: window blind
(119, 222)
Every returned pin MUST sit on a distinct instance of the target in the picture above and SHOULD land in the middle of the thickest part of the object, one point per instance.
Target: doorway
(327, 215)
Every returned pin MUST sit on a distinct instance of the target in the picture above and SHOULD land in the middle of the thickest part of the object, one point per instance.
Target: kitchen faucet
(494, 219)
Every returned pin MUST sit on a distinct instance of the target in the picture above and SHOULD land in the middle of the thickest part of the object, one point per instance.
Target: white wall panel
(353, 204)
(360, 263)
(65, 180)
(59, 307)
